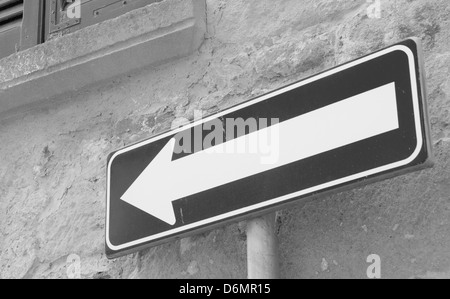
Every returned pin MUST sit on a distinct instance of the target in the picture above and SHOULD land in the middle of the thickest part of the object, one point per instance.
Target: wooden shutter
(20, 25)
(91, 12)
(11, 15)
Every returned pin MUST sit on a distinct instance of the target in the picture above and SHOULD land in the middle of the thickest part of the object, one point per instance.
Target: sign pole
(262, 248)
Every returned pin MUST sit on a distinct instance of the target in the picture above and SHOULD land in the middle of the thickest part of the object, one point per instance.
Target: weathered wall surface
(53, 155)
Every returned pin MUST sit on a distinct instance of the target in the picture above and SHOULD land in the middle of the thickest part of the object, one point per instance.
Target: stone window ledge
(151, 35)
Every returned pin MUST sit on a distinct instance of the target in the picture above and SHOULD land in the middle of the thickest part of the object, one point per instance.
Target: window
(25, 23)
(20, 25)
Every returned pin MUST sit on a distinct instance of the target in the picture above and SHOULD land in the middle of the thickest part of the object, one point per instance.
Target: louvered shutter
(11, 16)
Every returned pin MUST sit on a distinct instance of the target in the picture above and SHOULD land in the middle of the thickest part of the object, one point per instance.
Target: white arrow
(348, 121)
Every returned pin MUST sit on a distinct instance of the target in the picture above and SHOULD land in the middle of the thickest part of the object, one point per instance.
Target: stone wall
(52, 171)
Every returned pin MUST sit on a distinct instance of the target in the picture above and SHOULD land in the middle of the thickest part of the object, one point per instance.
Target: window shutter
(11, 15)
(91, 12)
(25, 23)
(21, 25)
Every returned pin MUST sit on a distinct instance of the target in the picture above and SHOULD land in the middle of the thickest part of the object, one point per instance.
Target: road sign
(357, 123)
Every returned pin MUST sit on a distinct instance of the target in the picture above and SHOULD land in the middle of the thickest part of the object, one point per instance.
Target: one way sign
(359, 122)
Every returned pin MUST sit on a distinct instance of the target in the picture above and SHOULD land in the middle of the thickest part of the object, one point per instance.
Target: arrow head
(149, 191)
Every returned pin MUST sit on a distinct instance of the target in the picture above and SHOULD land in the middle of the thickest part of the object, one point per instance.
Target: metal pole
(262, 248)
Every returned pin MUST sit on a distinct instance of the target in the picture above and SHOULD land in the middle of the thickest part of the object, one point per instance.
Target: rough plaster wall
(52, 172)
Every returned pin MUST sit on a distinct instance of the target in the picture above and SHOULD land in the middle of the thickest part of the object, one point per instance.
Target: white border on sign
(281, 199)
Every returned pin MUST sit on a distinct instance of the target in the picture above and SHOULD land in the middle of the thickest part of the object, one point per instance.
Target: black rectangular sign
(359, 122)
